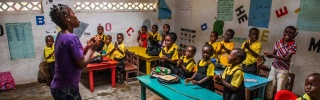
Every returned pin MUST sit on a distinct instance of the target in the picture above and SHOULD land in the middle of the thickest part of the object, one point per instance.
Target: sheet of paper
(80, 30)
(259, 14)
(250, 80)
(309, 16)
(185, 10)
(225, 10)
(20, 40)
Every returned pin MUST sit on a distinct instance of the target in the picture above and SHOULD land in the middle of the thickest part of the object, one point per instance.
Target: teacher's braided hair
(57, 15)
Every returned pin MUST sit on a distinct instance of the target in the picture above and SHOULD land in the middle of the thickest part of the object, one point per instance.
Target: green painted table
(179, 91)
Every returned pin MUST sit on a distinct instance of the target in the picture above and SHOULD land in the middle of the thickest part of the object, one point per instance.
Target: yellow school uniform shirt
(190, 66)
(175, 46)
(102, 36)
(223, 56)
(174, 55)
(210, 70)
(116, 54)
(305, 96)
(256, 47)
(108, 48)
(238, 76)
(156, 36)
(216, 46)
(47, 51)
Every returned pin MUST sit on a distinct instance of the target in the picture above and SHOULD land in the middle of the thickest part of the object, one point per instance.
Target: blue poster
(164, 11)
(20, 40)
(309, 16)
(259, 14)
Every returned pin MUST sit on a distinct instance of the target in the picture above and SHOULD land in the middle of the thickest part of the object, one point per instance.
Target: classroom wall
(303, 63)
(26, 70)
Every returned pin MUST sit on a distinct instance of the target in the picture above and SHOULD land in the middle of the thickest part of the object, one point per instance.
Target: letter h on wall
(242, 14)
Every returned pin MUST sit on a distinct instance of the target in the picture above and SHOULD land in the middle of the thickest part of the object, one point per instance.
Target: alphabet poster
(309, 16)
(20, 40)
(225, 10)
(259, 14)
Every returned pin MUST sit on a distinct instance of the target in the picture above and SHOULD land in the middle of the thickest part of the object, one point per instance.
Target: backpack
(153, 49)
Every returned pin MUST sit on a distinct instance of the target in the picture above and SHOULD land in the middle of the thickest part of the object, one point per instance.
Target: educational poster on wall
(185, 10)
(164, 11)
(259, 14)
(80, 30)
(187, 37)
(225, 10)
(20, 40)
(309, 16)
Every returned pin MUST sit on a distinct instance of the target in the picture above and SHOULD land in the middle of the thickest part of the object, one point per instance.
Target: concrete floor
(102, 90)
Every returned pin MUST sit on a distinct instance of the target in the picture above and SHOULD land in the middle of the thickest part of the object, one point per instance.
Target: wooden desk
(141, 52)
(181, 90)
(261, 84)
(107, 63)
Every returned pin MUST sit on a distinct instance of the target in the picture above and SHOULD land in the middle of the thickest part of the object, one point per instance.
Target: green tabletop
(179, 91)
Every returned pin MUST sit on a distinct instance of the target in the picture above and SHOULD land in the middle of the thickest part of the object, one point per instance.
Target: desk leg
(91, 81)
(113, 79)
(261, 92)
(143, 92)
(148, 65)
(247, 94)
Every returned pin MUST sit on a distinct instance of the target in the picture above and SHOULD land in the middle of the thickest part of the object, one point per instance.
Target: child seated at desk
(224, 51)
(253, 49)
(108, 47)
(118, 53)
(215, 44)
(169, 54)
(204, 71)
(186, 63)
(312, 87)
(154, 35)
(102, 37)
(233, 76)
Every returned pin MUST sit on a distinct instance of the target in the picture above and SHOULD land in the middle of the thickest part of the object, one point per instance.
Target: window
(17, 6)
(115, 5)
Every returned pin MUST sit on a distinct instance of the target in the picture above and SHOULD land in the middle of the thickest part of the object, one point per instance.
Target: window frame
(104, 3)
(20, 10)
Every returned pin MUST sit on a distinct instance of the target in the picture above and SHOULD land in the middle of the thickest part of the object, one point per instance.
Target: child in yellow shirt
(204, 71)
(102, 37)
(186, 63)
(215, 44)
(118, 53)
(169, 54)
(154, 35)
(311, 87)
(253, 49)
(49, 55)
(226, 47)
(232, 78)
(108, 47)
